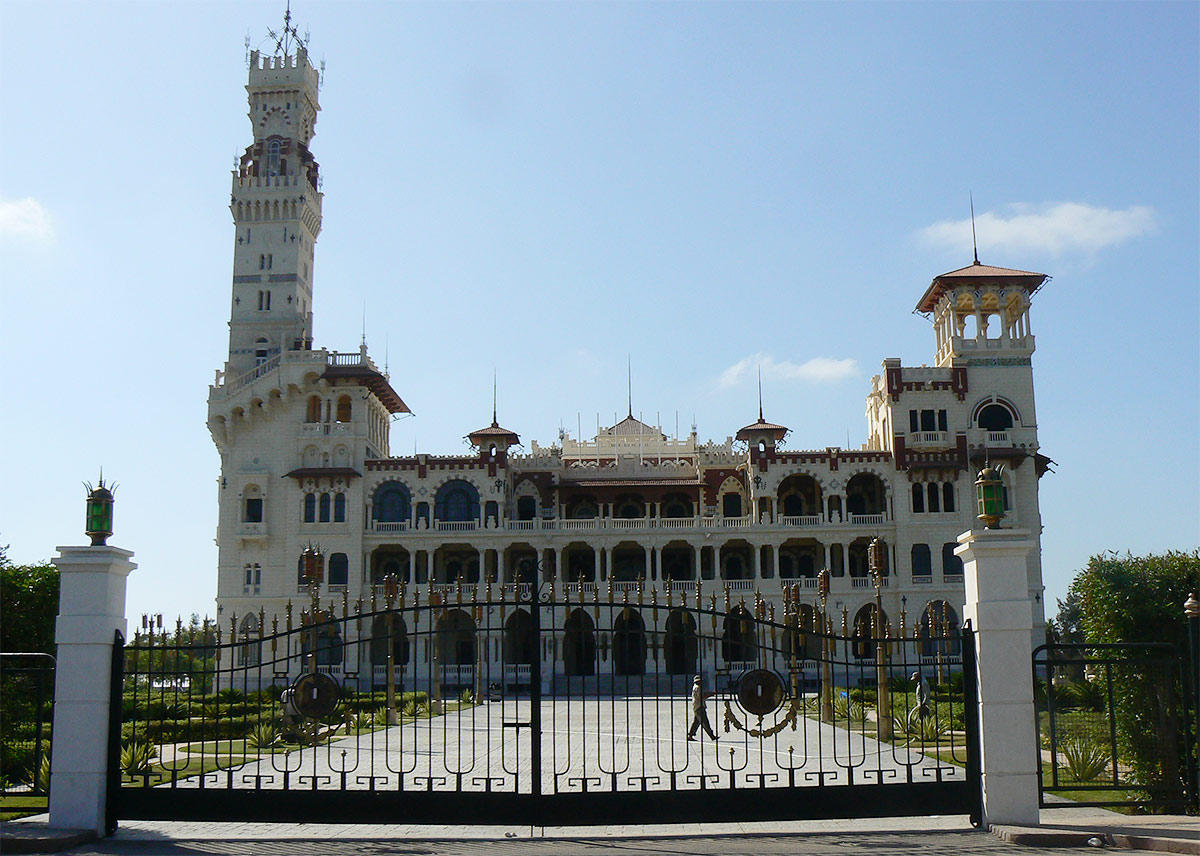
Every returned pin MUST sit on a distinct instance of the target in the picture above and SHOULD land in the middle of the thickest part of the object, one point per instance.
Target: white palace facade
(302, 434)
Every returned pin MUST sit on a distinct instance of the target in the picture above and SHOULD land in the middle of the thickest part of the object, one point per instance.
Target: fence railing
(26, 718)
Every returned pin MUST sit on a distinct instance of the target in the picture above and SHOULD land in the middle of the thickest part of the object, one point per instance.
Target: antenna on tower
(629, 382)
(246, 45)
(364, 322)
(321, 76)
(974, 246)
(385, 353)
(760, 416)
(494, 395)
(285, 37)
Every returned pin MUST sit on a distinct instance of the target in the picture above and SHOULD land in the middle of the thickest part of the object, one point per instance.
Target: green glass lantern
(98, 524)
(989, 488)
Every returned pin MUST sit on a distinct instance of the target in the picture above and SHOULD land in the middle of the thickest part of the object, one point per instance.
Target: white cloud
(816, 370)
(1056, 227)
(25, 221)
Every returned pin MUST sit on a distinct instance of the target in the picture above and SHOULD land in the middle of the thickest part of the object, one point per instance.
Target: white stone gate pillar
(91, 608)
(1000, 611)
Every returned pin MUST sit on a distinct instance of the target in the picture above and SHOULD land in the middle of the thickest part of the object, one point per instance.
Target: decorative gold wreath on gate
(794, 710)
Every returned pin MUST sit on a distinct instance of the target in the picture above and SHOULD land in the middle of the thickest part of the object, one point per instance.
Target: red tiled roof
(1029, 280)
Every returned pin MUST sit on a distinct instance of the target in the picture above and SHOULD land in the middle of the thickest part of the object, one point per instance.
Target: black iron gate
(518, 705)
(1115, 726)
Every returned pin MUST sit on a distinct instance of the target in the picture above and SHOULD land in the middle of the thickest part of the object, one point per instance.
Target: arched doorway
(579, 644)
(456, 638)
(519, 644)
(739, 643)
(629, 643)
(379, 641)
(680, 644)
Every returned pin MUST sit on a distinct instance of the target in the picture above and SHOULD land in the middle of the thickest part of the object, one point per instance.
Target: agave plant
(1086, 759)
(849, 709)
(466, 697)
(264, 735)
(136, 756)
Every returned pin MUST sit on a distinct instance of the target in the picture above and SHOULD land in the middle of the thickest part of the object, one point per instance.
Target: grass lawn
(13, 806)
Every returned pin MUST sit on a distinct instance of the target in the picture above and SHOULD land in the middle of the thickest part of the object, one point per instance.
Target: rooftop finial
(494, 422)
(974, 245)
(760, 415)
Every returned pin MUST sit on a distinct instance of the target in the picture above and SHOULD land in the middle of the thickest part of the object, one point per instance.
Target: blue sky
(548, 188)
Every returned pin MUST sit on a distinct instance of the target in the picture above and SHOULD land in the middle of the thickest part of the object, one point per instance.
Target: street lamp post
(876, 555)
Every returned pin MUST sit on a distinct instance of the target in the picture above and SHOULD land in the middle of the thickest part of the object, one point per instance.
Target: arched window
(456, 501)
(250, 650)
(343, 408)
(995, 417)
(918, 499)
(948, 496)
(310, 508)
(313, 411)
(339, 569)
(323, 514)
(392, 503)
(676, 505)
(339, 507)
(865, 494)
(922, 563)
(934, 496)
(951, 564)
(273, 148)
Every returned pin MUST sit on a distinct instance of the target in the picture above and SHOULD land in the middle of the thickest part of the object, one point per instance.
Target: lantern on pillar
(99, 518)
(989, 488)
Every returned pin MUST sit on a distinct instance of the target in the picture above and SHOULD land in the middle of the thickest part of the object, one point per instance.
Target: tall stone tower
(293, 423)
(276, 207)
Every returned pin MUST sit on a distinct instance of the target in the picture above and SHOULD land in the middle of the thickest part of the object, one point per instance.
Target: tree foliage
(28, 605)
(1140, 599)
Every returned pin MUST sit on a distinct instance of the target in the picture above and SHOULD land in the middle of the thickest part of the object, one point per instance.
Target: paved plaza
(595, 744)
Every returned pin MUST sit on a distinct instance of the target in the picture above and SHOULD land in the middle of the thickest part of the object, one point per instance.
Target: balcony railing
(802, 520)
(517, 673)
(919, 439)
(458, 674)
(324, 429)
(625, 524)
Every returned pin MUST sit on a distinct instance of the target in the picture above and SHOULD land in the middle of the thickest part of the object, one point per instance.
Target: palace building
(302, 433)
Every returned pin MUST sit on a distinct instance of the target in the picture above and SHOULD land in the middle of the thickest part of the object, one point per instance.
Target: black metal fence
(509, 704)
(26, 718)
(1115, 726)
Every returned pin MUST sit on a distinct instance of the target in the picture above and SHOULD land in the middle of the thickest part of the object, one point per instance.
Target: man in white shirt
(699, 713)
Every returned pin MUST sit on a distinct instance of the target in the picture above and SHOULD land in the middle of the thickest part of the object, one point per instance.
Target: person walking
(699, 712)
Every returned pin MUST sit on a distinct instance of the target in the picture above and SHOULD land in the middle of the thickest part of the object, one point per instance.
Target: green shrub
(1086, 759)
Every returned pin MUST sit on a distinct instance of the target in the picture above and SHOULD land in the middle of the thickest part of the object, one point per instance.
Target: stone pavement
(1062, 831)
